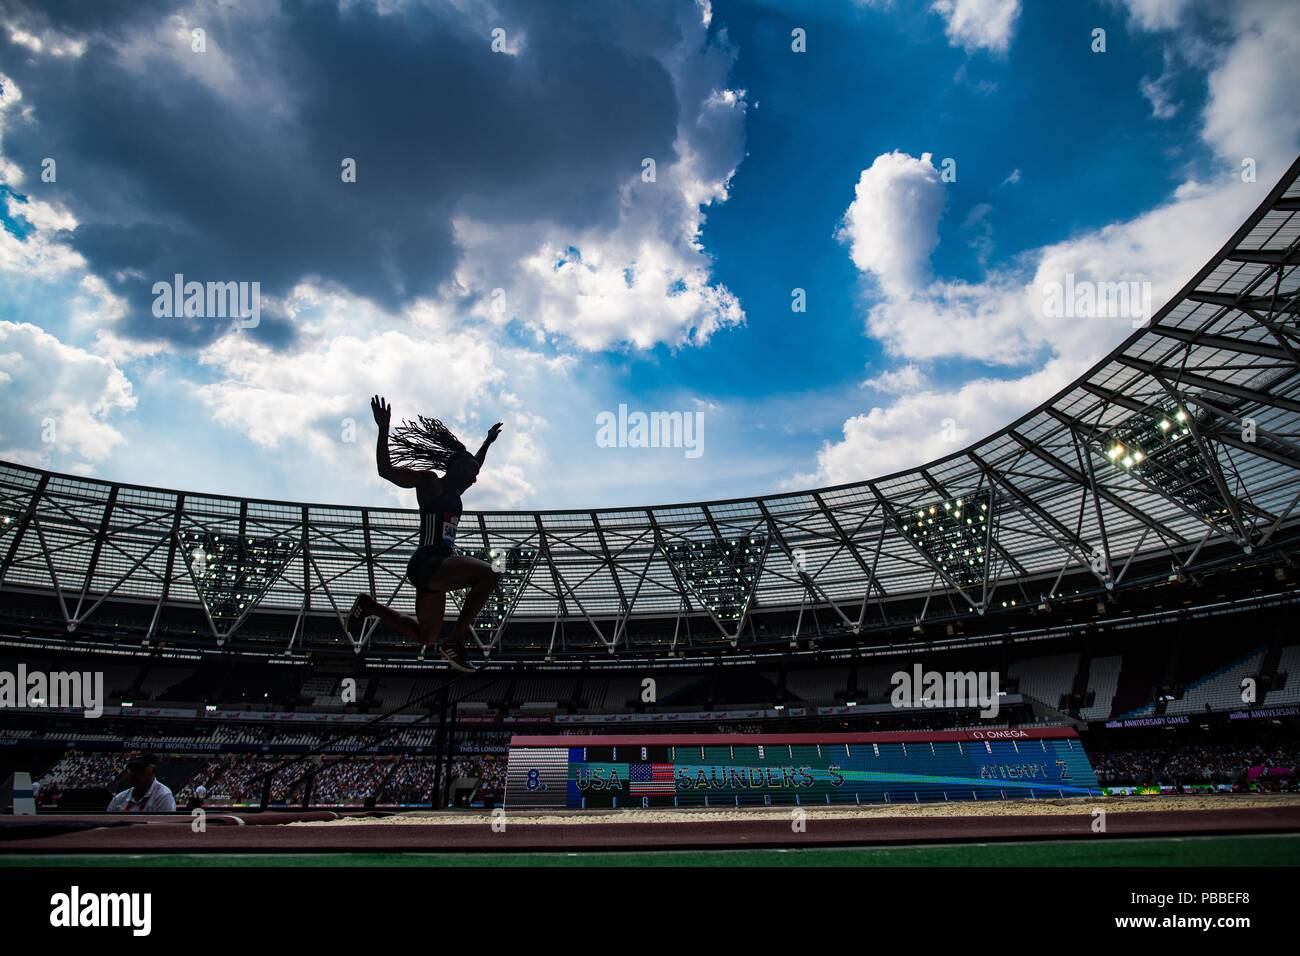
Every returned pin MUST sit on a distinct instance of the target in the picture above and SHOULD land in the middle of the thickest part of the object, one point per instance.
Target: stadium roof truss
(1185, 436)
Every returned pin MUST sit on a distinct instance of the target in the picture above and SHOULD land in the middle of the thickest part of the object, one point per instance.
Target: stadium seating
(1220, 690)
(619, 692)
(874, 682)
(818, 686)
(160, 680)
(1288, 664)
(1103, 681)
(545, 690)
(1046, 679)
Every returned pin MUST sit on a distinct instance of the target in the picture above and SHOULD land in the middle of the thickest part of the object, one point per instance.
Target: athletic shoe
(453, 655)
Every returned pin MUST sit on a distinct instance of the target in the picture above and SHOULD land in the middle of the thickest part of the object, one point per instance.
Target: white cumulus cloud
(311, 399)
(56, 400)
(979, 24)
(647, 279)
(892, 225)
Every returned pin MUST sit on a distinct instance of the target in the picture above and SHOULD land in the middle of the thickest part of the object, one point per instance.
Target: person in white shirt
(147, 794)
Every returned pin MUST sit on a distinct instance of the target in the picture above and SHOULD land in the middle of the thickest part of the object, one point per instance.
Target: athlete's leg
(430, 608)
(404, 624)
(478, 595)
(457, 572)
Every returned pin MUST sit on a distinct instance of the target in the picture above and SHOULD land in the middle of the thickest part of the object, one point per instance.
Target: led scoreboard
(736, 770)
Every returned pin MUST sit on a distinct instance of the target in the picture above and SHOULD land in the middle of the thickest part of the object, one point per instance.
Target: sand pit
(577, 831)
(985, 808)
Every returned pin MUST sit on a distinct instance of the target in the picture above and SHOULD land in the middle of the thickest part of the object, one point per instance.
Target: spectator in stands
(147, 794)
(1191, 764)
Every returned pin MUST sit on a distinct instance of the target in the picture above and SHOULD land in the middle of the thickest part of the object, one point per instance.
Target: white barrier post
(18, 789)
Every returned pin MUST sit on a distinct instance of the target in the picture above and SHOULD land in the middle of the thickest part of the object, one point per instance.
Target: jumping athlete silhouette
(435, 568)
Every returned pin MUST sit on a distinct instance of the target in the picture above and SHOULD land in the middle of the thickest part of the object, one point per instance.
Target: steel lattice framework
(1183, 440)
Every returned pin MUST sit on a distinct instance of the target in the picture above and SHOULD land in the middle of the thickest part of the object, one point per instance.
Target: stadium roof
(1181, 441)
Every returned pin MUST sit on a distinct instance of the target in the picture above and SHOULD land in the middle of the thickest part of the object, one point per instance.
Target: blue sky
(518, 171)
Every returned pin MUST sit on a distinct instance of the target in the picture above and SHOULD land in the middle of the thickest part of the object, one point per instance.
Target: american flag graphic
(650, 778)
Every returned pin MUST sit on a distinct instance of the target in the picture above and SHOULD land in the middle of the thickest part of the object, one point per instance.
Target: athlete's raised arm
(402, 477)
(492, 435)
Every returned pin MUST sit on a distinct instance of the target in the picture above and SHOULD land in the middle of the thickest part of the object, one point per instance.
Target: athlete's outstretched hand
(494, 432)
(382, 410)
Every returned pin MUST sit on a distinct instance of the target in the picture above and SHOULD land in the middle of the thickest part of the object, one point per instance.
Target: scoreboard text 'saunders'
(731, 770)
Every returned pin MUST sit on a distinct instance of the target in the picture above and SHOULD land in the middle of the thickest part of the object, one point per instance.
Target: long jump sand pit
(882, 825)
(1074, 806)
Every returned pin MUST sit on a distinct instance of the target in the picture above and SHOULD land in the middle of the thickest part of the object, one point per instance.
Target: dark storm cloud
(235, 176)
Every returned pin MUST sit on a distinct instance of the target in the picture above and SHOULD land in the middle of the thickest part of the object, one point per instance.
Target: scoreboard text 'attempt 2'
(736, 770)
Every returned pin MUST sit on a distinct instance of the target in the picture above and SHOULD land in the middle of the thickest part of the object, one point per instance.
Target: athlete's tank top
(439, 515)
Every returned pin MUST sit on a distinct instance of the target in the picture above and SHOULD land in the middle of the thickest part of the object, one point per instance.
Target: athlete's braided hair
(425, 443)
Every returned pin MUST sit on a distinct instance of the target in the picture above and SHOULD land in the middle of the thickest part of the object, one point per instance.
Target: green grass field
(1178, 851)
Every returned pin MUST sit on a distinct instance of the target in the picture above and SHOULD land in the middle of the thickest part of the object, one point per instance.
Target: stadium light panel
(720, 572)
(232, 574)
(1158, 446)
(952, 534)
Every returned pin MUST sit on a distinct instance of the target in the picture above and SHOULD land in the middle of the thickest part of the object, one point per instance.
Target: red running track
(173, 835)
